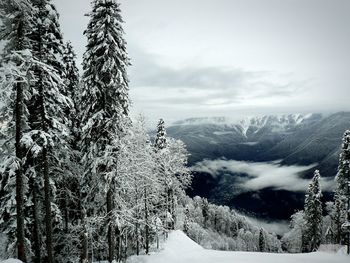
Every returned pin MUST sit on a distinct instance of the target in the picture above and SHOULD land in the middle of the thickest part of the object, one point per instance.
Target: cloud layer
(262, 175)
(201, 58)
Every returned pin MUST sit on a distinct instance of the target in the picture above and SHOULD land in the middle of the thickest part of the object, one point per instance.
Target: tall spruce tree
(48, 122)
(340, 214)
(313, 215)
(17, 21)
(106, 101)
(341, 195)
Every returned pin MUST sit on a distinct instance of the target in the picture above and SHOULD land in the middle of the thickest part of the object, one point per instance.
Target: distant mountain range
(294, 139)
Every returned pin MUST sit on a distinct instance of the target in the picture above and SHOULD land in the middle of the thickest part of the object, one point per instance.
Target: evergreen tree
(261, 240)
(186, 226)
(205, 211)
(71, 73)
(17, 21)
(48, 122)
(339, 214)
(106, 103)
(160, 141)
(313, 215)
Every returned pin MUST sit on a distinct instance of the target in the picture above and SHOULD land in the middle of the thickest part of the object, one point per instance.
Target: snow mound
(178, 240)
(181, 249)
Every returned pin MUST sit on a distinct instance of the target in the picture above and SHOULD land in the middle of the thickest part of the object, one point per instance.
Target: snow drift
(181, 249)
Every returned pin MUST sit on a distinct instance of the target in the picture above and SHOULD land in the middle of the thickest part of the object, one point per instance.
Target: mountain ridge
(293, 139)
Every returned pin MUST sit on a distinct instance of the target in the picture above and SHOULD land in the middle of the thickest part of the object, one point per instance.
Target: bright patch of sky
(195, 58)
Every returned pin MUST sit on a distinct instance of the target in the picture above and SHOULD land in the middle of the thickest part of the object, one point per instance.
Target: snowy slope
(180, 249)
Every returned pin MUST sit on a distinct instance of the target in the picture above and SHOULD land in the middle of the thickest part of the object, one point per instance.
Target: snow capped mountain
(251, 139)
(250, 125)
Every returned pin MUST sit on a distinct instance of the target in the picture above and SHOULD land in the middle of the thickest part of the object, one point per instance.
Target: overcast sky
(234, 58)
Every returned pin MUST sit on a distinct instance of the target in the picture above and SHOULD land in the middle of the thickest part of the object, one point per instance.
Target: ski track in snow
(181, 249)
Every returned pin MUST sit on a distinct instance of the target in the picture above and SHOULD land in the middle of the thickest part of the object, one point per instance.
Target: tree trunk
(19, 156)
(111, 236)
(66, 214)
(173, 210)
(84, 246)
(84, 234)
(118, 245)
(137, 240)
(36, 235)
(48, 221)
(125, 250)
(146, 225)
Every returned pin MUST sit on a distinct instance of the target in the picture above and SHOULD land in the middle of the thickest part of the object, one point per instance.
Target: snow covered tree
(160, 141)
(47, 119)
(205, 212)
(15, 78)
(186, 226)
(338, 218)
(339, 214)
(106, 102)
(72, 90)
(171, 158)
(71, 73)
(262, 244)
(137, 186)
(313, 215)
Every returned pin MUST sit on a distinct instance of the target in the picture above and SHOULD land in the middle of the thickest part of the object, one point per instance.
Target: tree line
(80, 180)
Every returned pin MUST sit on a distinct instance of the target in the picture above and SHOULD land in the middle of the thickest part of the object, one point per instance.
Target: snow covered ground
(181, 249)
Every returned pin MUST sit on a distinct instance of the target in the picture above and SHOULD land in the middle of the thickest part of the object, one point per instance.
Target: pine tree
(261, 240)
(17, 21)
(340, 214)
(313, 215)
(106, 101)
(160, 141)
(48, 122)
(205, 211)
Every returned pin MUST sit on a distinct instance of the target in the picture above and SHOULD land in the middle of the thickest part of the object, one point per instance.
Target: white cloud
(279, 227)
(262, 174)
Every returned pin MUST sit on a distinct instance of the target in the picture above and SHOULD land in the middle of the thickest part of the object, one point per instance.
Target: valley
(286, 149)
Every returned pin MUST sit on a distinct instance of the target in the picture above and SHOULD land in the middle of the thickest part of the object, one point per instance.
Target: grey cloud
(251, 57)
(263, 174)
(203, 85)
